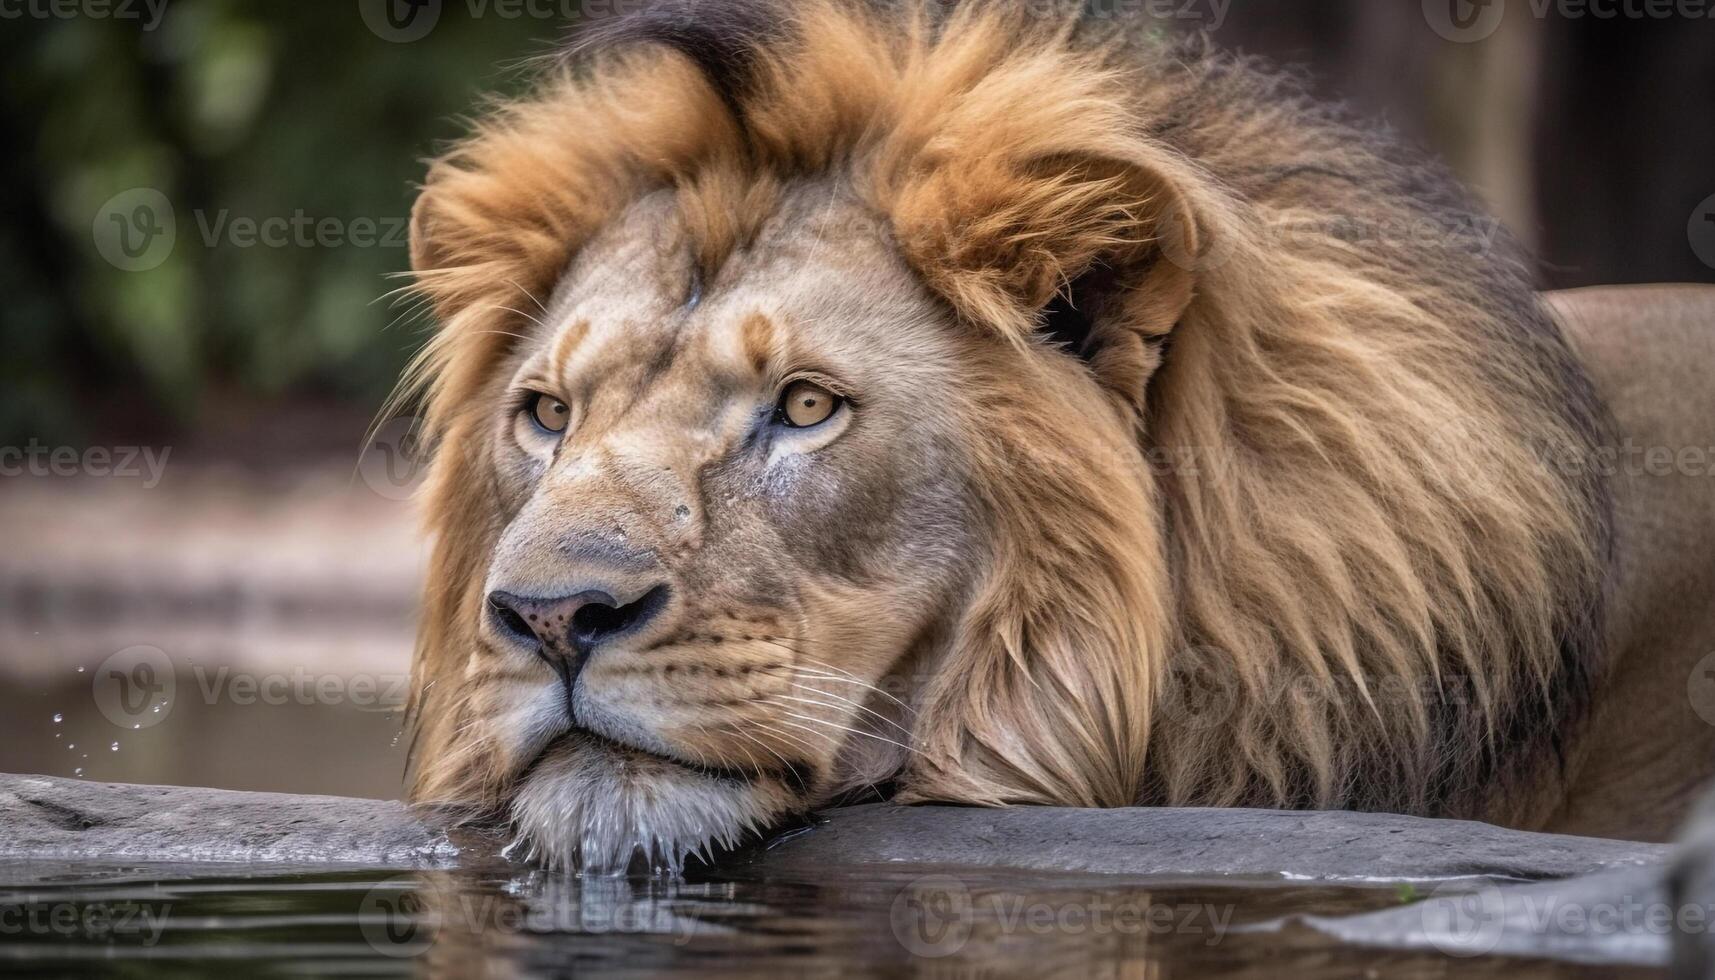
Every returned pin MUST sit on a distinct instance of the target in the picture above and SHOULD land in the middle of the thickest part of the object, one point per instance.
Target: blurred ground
(283, 600)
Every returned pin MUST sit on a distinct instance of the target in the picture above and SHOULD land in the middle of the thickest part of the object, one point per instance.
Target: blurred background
(208, 577)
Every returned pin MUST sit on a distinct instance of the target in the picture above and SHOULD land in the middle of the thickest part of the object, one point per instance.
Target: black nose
(573, 625)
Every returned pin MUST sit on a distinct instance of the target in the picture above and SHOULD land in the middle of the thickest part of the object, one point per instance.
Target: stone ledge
(1199, 843)
(43, 817)
(1493, 902)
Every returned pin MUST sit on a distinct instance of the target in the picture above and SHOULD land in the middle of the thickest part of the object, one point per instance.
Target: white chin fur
(602, 809)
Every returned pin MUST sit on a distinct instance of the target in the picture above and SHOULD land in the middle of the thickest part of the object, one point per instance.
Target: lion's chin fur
(603, 809)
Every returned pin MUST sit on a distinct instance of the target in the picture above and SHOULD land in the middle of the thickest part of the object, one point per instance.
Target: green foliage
(241, 114)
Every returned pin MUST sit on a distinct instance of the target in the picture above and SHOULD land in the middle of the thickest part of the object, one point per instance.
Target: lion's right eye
(549, 413)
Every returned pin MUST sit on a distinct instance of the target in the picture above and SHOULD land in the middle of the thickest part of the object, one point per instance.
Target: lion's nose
(573, 625)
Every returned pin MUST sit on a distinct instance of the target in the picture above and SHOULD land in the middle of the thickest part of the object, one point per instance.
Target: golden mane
(1351, 543)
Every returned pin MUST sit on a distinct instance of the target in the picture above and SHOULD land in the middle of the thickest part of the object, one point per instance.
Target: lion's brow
(569, 340)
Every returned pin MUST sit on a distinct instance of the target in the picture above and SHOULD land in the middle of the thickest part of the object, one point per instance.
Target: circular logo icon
(135, 230)
(400, 917)
(400, 21)
(134, 688)
(1464, 21)
(1190, 247)
(1700, 689)
(1702, 231)
(932, 916)
(1463, 923)
(395, 460)
(1197, 696)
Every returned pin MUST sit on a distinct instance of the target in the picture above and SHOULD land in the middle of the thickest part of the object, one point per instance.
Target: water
(166, 921)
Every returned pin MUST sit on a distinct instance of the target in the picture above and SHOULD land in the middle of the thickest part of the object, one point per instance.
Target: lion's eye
(550, 413)
(806, 404)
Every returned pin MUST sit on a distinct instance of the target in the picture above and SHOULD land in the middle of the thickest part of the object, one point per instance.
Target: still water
(504, 922)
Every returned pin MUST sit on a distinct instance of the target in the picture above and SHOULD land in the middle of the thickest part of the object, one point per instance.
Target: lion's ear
(1082, 250)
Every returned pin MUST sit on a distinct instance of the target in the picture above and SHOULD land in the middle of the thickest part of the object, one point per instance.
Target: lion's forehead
(819, 281)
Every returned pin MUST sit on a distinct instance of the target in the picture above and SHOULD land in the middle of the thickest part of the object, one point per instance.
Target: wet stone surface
(1335, 888)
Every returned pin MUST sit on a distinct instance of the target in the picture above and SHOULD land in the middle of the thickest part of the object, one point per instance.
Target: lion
(989, 405)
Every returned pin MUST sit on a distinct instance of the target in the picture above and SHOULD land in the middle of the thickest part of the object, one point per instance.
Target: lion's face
(729, 509)
(867, 499)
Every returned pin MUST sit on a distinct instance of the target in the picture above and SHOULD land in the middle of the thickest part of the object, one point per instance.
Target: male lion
(999, 407)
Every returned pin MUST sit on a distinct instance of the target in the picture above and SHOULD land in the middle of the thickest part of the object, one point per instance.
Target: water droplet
(58, 718)
(157, 709)
(80, 670)
(78, 771)
(114, 747)
(136, 727)
(70, 746)
(57, 734)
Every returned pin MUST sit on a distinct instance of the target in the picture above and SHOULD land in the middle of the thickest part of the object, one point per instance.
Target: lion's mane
(1359, 578)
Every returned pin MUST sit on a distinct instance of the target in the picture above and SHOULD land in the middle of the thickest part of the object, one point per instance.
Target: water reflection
(505, 922)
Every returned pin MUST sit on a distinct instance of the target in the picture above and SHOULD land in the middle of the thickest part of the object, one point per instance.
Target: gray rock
(45, 819)
(1334, 847)
(1608, 908)
(1691, 884)
(1613, 917)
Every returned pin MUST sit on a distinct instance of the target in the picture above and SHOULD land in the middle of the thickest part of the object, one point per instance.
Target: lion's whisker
(790, 697)
(853, 731)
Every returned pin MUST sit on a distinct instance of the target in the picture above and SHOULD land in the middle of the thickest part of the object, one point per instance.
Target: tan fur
(1354, 538)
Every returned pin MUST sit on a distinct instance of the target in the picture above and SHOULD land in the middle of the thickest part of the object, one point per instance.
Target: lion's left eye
(549, 413)
(806, 404)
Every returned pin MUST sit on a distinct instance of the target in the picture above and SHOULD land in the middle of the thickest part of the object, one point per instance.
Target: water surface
(144, 921)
